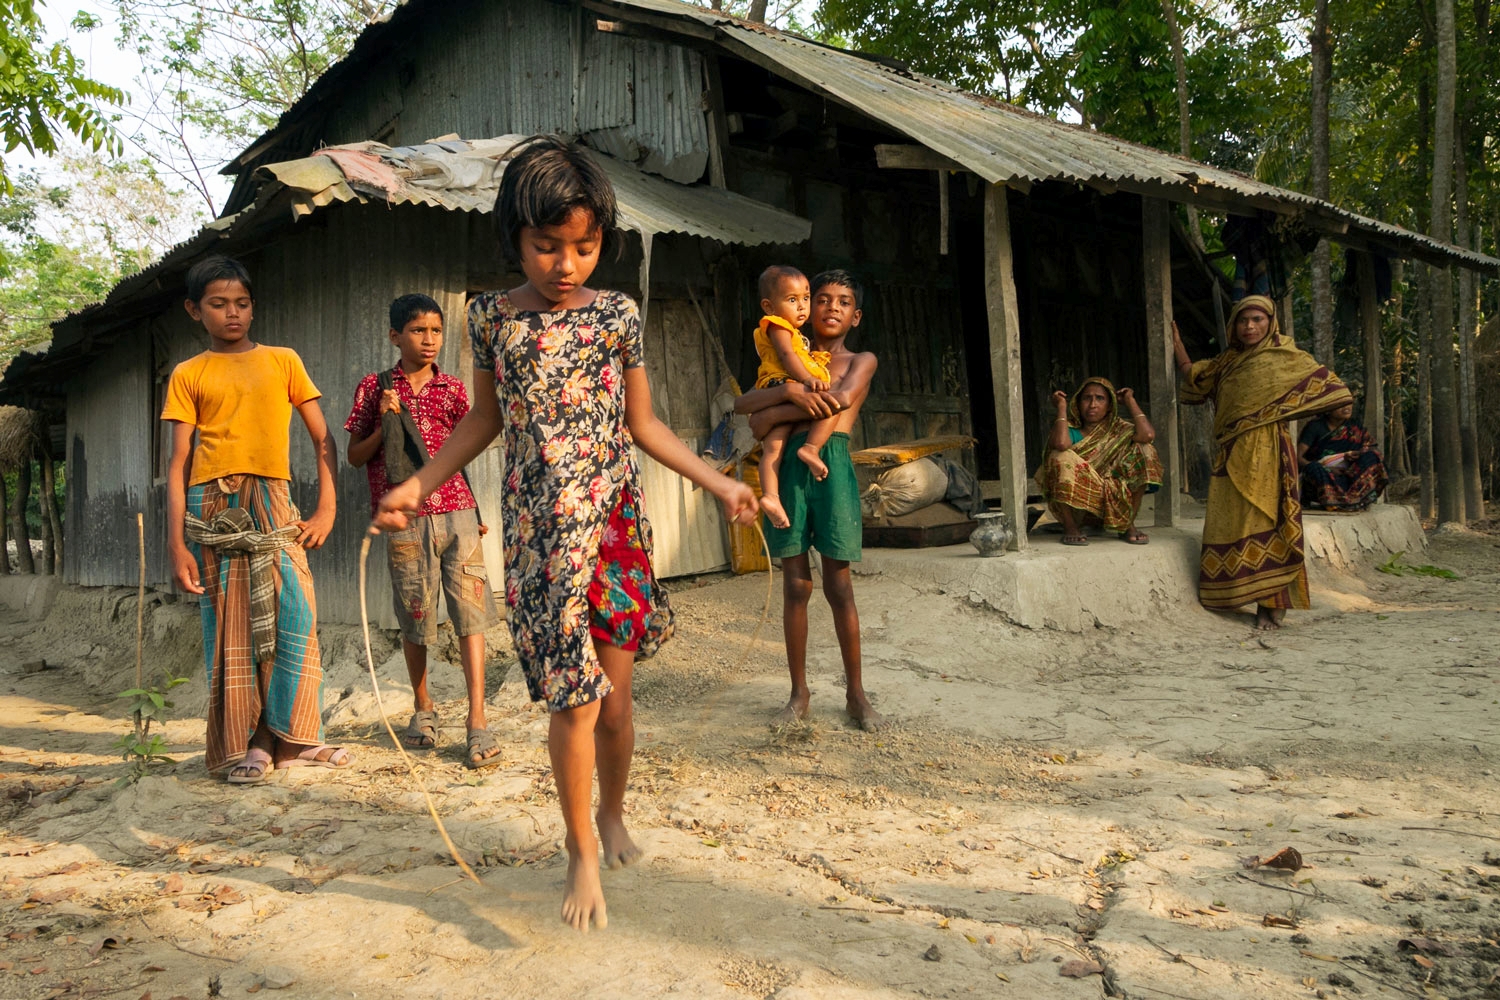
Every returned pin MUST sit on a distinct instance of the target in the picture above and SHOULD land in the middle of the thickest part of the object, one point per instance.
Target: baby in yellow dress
(786, 356)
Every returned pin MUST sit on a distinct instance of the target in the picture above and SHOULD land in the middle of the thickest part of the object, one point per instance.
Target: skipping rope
(364, 621)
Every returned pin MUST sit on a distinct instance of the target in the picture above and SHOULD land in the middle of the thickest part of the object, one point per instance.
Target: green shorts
(823, 515)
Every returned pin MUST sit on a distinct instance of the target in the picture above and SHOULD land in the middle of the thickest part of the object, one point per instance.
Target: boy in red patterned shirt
(442, 545)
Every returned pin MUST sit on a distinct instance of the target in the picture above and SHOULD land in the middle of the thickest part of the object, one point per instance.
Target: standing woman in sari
(1252, 532)
(1098, 464)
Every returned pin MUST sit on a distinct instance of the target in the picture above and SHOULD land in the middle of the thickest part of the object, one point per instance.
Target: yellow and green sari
(1252, 533)
(1103, 470)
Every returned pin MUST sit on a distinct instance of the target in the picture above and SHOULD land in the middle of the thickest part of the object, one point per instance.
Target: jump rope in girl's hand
(765, 616)
(364, 621)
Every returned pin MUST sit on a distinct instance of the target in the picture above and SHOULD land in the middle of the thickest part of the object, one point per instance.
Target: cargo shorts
(440, 552)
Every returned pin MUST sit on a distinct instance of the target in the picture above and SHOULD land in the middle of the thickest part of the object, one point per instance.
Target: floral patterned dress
(570, 462)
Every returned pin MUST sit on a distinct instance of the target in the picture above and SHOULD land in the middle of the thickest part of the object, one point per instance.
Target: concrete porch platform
(1110, 584)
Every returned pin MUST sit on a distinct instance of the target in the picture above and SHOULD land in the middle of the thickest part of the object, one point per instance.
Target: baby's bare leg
(811, 450)
(773, 447)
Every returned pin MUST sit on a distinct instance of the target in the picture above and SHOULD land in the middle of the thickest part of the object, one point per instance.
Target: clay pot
(991, 536)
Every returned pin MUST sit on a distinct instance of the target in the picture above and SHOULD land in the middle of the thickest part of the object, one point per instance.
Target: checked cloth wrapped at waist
(233, 530)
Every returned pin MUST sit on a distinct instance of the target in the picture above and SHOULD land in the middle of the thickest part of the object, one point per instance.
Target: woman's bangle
(1137, 416)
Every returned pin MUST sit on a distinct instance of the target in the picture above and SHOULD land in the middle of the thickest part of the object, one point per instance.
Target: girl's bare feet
(583, 897)
(775, 513)
(809, 455)
(619, 849)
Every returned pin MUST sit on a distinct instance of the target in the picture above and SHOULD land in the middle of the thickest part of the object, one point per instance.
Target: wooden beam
(1369, 322)
(1156, 257)
(942, 180)
(1005, 359)
(718, 122)
(913, 158)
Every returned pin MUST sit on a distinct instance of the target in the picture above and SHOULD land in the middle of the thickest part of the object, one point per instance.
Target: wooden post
(1005, 359)
(1161, 365)
(1369, 323)
(942, 179)
(718, 126)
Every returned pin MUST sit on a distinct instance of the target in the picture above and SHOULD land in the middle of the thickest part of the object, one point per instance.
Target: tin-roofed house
(1005, 254)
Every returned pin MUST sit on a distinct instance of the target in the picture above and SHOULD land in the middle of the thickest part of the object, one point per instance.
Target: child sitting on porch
(822, 511)
(573, 402)
(785, 356)
(442, 546)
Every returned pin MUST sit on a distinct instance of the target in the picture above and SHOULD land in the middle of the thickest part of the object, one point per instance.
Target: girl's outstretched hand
(738, 501)
(404, 498)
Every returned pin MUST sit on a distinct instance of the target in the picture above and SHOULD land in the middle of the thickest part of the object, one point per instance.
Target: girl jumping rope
(558, 368)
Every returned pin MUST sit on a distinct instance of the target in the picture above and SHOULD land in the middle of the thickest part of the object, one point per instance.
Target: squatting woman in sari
(1099, 465)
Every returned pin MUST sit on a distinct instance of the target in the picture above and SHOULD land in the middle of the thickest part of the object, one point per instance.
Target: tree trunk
(4, 530)
(1427, 504)
(1468, 330)
(1322, 257)
(51, 521)
(1397, 455)
(1397, 460)
(1369, 328)
(757, 11)
(1184, 121)
(24, 562)
(1447, 453)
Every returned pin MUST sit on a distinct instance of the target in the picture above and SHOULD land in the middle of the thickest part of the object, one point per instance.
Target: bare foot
(809, 456)
(795, 711)
(583, 899)
(619, 849)
(775, 513)
(864, 715)
(1267, 619)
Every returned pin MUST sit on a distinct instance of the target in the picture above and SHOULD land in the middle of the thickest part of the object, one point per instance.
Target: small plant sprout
(141, 746)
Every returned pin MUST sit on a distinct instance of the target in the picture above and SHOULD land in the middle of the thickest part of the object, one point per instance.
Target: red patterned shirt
(437, 409)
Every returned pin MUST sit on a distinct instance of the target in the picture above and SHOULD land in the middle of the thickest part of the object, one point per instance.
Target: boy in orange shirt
(231, 496)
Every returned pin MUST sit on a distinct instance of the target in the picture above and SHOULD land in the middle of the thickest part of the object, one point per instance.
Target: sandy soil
(1046, 805)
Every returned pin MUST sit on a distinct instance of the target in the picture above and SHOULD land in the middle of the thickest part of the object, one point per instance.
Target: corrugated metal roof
(999, 142)
(464, 175)
(1009, 145)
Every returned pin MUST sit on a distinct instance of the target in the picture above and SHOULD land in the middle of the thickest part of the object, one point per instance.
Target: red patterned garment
(437, 409)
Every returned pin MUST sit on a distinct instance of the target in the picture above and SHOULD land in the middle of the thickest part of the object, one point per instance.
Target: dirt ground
(1052, 815)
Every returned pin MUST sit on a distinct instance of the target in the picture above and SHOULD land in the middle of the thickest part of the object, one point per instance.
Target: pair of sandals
(481, 748)
(1134, 536)
(256, 766)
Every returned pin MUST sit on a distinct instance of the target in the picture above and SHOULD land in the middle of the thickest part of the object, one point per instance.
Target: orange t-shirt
(242, 406)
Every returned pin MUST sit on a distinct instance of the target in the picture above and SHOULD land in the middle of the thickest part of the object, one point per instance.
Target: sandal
(1135, 536)
(421, 731)
(256, 764)
(1075, 539)
(483, 749)
(337, 757)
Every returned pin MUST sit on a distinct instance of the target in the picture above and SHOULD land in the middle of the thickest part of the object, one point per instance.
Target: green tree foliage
(232, 67)
(65, 240)
(1108, 65)
(44, 95)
